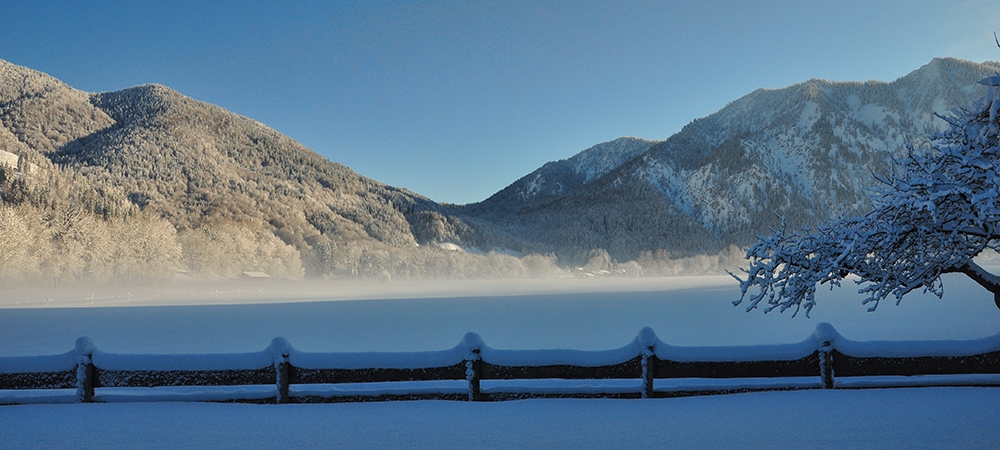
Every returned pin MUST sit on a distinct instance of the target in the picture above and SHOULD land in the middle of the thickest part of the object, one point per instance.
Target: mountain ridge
(807, 152)
(149, 149)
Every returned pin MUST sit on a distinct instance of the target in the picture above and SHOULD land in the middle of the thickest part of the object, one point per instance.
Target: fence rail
(645, 368)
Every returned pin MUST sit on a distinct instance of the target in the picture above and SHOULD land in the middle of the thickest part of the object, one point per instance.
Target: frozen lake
(414, 316)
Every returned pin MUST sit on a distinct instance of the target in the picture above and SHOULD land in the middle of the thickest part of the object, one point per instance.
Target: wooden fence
(646, 368)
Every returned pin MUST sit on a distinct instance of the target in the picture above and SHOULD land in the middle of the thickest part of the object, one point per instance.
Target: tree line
(57, 229)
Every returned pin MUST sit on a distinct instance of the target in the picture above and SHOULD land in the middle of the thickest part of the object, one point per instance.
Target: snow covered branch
(937, 211)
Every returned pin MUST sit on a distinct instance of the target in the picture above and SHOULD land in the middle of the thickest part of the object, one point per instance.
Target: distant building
(8, 159)
(256, 275)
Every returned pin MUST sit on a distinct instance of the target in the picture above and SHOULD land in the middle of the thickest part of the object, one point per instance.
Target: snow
(593, 358)
(457, 387)
(734, 384)
(450, 246)
(44, 363)
(590, 164)
(562, 387)
(461, 387)
(185, 394)
(516, 315)
(810, 114)
(512, 323)
(531, 187)
(382, 360)
(601, 159)
(20, 396)
(869, 123)
(974, 379)
(208, 361)
(915, 348)
(774, 352)
(897, 418)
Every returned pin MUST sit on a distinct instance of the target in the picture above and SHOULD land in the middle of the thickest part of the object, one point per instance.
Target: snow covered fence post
(85, 370)
(280, 349)
(647, 340)
(473, 345)
(825, 335)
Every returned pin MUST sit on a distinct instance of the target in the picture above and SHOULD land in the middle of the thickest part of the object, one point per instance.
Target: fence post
(473, 364)
(648, 374)
(825, 334)
(280, 349)
(826, 364)
(647, 340)
(476, 367)
(86, 373)
(283, 369)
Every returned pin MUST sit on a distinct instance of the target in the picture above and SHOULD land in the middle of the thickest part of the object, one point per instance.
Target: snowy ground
(574, 314)
(895, 418)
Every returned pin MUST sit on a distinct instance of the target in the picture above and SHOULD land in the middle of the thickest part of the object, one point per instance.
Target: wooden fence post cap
(825, 333)
(280, 347)
(647, 337)
(472, 343)
(84, 346)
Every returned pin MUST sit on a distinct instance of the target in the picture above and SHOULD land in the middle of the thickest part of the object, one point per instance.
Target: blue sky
(457, 99)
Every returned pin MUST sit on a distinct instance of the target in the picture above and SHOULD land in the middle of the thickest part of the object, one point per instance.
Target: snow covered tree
(931, 215)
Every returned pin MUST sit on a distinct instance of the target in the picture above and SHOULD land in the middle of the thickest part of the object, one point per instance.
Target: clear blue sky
(457, 99)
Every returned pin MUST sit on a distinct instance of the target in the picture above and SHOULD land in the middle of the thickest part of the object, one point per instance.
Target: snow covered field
(418, 316)
(570, 314)
(898, 418)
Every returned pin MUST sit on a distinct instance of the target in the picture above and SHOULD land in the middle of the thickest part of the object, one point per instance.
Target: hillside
(221, 180)
(807, 152)
(194, 162)
(559, 178)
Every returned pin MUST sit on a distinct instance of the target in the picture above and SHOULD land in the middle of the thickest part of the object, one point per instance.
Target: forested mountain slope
(194, 162)
(806, 152)
(151, 150)
(559, 178)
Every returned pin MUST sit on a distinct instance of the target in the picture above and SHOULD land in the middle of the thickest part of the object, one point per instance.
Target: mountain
(148, 162)
(807, 152)
(194, 162)
(559, 178)
(151, 150)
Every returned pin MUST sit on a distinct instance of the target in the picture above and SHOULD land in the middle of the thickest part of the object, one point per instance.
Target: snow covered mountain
(807, 152)
(558, 178)
(153, 150)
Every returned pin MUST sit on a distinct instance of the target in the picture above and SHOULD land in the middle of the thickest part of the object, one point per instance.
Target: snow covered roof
(256, 275)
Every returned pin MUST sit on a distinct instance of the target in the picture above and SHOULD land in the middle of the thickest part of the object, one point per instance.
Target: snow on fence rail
(646, 367)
